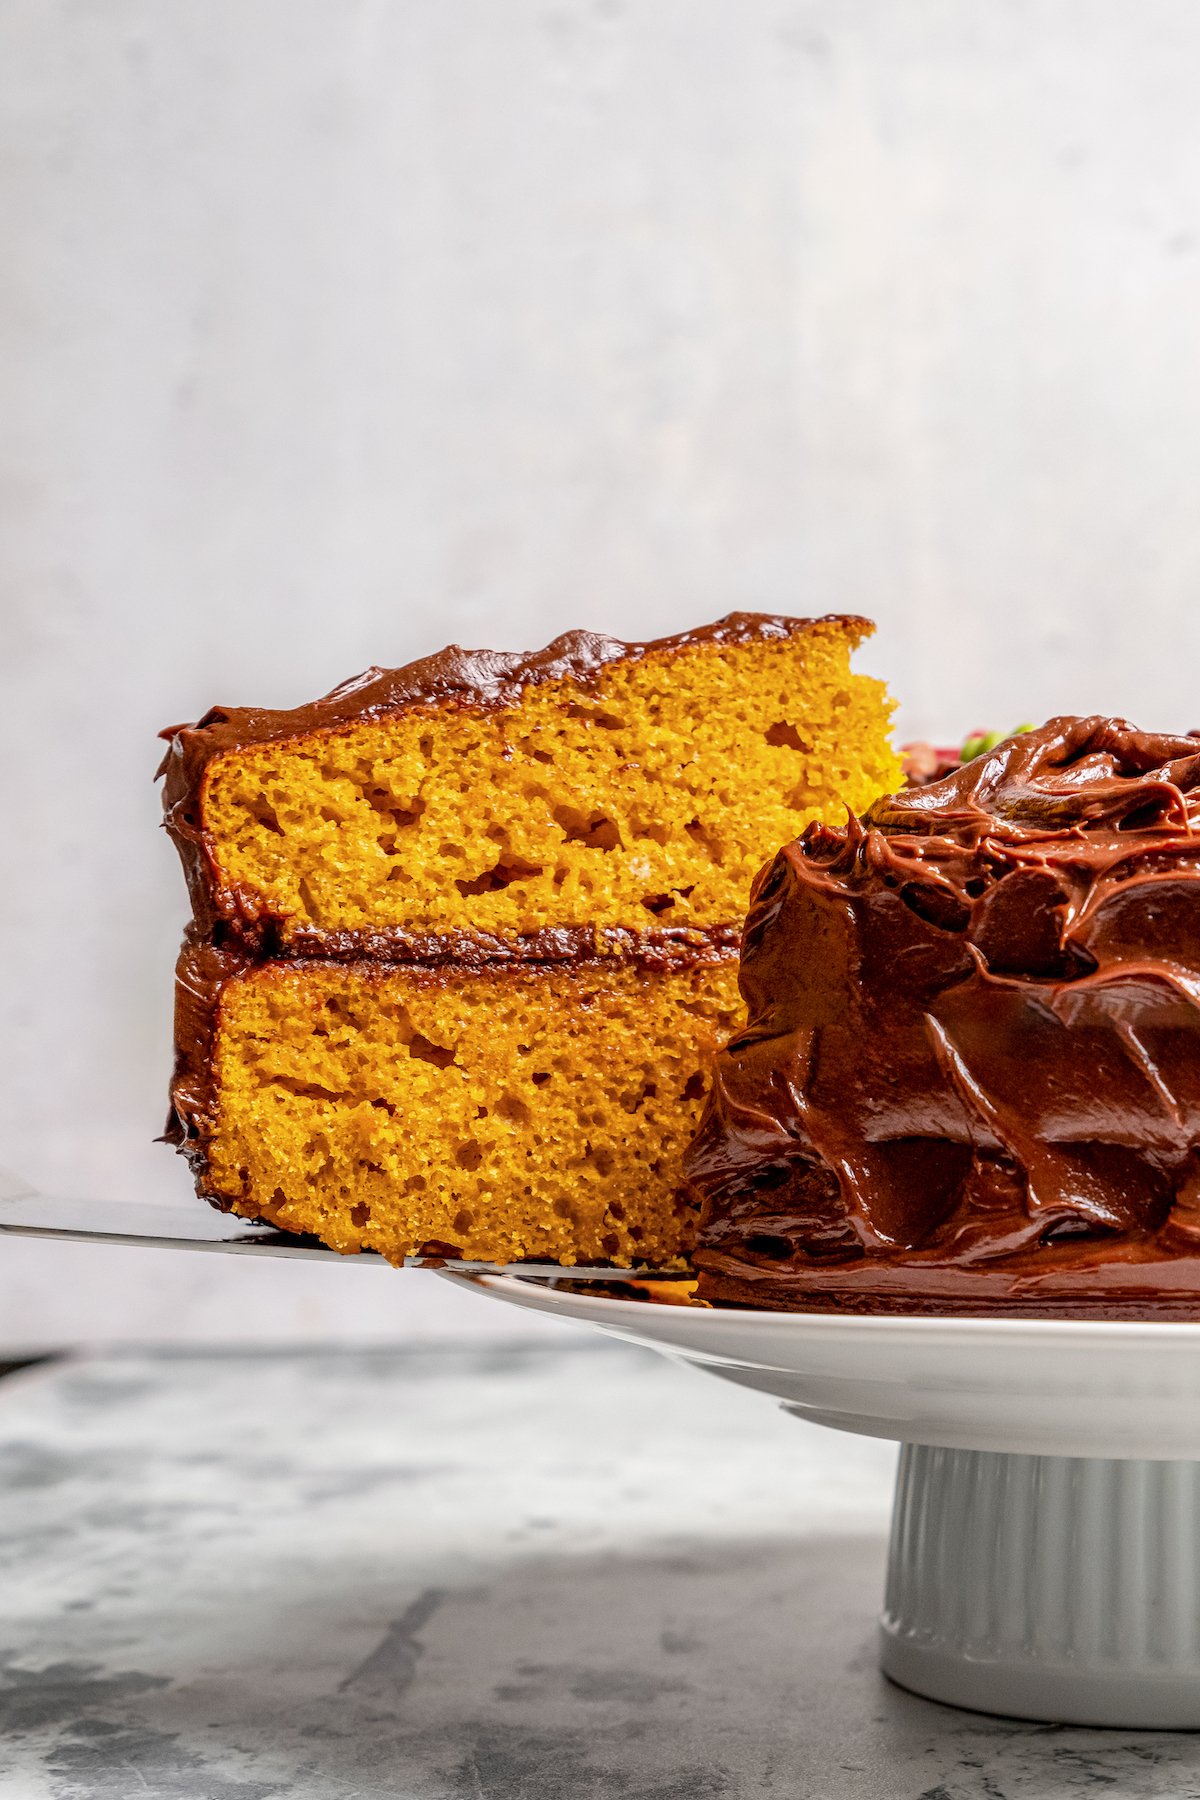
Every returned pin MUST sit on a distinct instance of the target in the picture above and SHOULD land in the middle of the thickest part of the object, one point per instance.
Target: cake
(465, 933)
(970, 1077)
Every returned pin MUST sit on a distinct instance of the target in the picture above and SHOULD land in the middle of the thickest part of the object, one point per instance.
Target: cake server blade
(163, 1226)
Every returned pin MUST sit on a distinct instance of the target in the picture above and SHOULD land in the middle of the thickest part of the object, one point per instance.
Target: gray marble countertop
(527, 1574)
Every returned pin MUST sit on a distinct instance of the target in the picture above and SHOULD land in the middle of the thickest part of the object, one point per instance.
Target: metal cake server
(26, 1213)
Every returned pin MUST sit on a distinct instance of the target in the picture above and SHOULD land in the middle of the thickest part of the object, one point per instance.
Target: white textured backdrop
(332, 330)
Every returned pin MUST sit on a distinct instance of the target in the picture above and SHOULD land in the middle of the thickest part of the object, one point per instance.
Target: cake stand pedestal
(1046, 1587)
(1045, 1548)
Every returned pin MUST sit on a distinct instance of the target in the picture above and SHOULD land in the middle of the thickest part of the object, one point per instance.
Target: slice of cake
(465, 933)
(970, 1080)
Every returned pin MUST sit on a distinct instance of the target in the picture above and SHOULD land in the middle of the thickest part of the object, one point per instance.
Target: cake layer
(971, 1075)
(478, 804)
(517, 1111)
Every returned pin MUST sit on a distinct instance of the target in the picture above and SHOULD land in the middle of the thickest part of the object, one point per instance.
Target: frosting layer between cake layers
(970, 1079)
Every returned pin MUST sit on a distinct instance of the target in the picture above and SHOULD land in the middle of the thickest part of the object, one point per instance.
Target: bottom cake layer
(493, 1114)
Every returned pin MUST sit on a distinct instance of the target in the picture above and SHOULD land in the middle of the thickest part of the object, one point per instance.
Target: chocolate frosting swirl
(971, 1075)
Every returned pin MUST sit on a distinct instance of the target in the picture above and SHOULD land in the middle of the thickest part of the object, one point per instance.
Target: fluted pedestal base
(1047, 1587)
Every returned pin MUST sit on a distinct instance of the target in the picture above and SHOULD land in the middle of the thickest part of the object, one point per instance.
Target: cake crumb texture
(499, 1114)
(647, 796)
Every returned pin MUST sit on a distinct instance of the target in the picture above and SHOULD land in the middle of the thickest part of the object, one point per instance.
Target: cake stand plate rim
(1125, 1389)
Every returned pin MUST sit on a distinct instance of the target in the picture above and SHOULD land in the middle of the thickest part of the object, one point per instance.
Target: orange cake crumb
(523, 1112)
(647, 795)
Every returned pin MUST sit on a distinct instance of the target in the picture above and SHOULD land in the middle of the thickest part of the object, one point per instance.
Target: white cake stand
(1045, 1550)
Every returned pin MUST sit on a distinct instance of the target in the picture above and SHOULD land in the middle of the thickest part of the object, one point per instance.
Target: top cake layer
(596, 794)
(971, 1075)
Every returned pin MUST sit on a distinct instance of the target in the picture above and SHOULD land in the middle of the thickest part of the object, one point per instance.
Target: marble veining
(574, 1573)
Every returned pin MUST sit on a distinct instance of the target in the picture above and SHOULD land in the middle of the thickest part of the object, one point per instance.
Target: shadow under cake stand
(1045, 1546)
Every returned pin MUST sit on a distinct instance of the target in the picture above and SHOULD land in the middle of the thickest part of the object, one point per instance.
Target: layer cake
(970, 1078)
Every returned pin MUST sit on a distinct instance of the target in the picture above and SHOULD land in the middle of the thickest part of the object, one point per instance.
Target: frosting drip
(971, 1074)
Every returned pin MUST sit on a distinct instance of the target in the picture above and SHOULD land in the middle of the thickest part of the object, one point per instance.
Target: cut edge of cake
(230, 941)
(509, 907)
(317, 1096)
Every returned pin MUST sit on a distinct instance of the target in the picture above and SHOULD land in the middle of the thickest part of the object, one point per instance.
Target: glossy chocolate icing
(971, 1076)
(471, 679)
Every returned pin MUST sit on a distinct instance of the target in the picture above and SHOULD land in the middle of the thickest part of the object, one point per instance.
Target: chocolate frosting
(475, 679)
(971, 1075)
